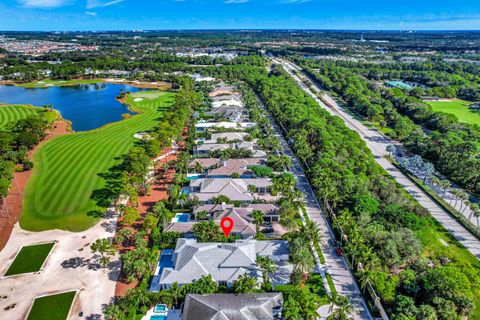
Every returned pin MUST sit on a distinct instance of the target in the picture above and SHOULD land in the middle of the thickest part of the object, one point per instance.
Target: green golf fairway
(14, 112)
(457, 107)
(67, 168)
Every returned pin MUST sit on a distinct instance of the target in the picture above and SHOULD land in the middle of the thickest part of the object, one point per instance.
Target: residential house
(247, 306)
(243, 222)
(225, 262)
(242, 190)
(240, 126)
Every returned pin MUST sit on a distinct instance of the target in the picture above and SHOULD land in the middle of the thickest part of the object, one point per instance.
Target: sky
(68, 15)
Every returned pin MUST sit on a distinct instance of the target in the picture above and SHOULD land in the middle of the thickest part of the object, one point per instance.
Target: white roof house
(202, 126)
(225, 262)
(205, 189)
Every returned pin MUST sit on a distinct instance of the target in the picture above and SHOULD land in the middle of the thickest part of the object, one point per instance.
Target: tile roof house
(222, 90)
(205, 189)
(203, 126)
(216, 168)
(221, 306)
(212, 163)
(225, 262)
(243, 225)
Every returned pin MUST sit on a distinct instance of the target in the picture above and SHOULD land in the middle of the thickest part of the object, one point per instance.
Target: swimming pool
(191, 177)
(155, 317)
(183, 217)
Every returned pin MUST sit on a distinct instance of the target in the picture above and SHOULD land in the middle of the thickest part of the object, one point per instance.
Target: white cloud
(235, 1)
(43, 3)
(99, 3)
(90, 13)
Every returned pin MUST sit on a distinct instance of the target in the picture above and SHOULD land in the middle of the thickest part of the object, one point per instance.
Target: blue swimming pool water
(158, 318)
(183, 217)
(195, 176)
(159, 307)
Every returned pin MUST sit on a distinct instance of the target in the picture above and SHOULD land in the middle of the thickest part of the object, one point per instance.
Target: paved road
(377, 144)
(334, 265)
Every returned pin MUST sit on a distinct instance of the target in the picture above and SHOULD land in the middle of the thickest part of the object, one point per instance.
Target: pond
(87, 106)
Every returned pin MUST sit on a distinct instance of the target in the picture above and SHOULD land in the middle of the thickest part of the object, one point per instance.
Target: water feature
(87, 106)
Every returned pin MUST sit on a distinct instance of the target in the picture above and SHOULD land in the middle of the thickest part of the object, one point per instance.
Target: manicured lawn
(54, 307)
(459, 108)
(14, 112)
(49, 83)
(30, 259)
(68, 169)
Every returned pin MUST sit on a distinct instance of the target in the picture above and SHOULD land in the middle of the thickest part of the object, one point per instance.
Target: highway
(334, 265)
(377, 143)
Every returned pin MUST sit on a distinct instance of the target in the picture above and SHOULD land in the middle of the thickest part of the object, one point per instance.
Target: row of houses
(234, 182)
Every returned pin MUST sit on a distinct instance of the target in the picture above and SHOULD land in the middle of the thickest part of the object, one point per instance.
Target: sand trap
(137, 99)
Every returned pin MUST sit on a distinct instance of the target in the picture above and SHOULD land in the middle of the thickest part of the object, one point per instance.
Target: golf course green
(459, 108)
(66, 169)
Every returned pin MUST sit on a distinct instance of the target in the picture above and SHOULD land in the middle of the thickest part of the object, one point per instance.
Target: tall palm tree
(303, 261)
(312, 232)
(198, 167)
(340, 309)
(258, 218)
(175, 292)
(267, 266)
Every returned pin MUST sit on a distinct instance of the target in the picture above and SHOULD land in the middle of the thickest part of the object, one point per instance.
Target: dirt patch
(12, 205)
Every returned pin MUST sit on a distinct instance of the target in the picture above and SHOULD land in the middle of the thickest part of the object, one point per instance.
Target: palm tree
(303, 261)
(258, 218)
(340, 308)
(198, 167)
(310, 229)
(473, 208)
(175, 292)
(267, 266)
(366, 277)
(288, 224)
(245, 284)
(463, 197)
(444, 184)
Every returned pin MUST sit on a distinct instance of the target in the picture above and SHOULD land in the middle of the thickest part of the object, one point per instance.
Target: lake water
(87, 106)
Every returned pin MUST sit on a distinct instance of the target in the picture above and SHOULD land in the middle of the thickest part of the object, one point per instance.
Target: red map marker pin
(227, 225)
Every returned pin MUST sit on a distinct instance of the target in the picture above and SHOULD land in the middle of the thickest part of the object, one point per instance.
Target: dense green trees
(453, 147)
(15, 140)
(382, 226)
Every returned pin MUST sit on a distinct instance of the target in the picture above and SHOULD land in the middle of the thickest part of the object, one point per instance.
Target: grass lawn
(14, 112)
(30, 259)
(54, 307)
(67, 169)
(459, 108)
(50, 83)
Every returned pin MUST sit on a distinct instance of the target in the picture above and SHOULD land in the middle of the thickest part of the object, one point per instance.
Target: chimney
(224, 205)
(224, 163)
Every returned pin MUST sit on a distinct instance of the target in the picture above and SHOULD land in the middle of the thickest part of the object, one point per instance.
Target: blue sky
(239, 14)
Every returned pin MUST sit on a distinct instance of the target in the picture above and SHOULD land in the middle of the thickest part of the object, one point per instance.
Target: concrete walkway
(334, 265)
(378, 143)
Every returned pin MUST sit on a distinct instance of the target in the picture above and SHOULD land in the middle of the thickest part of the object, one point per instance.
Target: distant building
(258, 306)
(398, 84)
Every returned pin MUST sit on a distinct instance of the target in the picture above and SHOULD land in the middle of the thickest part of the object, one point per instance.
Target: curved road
(378, 143)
